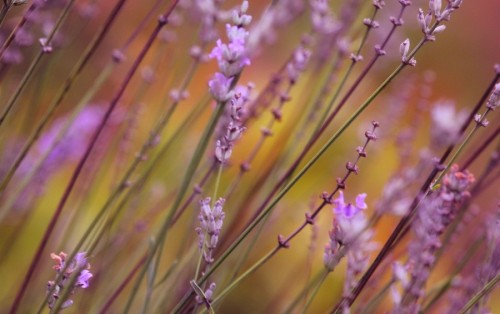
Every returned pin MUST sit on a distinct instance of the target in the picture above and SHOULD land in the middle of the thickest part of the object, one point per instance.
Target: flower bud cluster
(231, 57)
(298, 64)
(348, 229)
(26, 35)
(208, 295)
(322, 19)
(349, 237)
(233, 127)
(404, 49)
(433, 216)
(494, 100)
(425, 19)
(211, 220)
(78, 264)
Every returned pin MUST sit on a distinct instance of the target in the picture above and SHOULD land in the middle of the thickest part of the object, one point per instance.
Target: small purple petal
(360, 201)
(220, 86)
(83, 279)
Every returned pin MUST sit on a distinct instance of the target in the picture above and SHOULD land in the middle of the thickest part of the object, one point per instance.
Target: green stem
(345, 77)
(481, 293)
(315, 291)
(150, 282)
(304, 291)
(299, 175)
(197, 155)
(249, 249)
(254, 267)
(217, 182)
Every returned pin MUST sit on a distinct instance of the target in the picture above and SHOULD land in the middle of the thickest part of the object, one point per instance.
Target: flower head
(456, 184)
(79, 264)
(349, 217)
(220, 87)
(348, 230)
(232, 57)
(211, 220)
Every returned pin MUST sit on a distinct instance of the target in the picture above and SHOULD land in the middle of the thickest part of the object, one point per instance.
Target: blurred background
(456, 68)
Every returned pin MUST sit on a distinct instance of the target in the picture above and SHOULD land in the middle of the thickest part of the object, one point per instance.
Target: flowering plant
(188, 150)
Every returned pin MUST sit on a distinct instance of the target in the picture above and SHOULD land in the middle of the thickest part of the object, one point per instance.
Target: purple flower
(83, 279)
(236, 34)
(456, 185)
(298, 64)
(348, 231)
(494, 99)
(211, 220)
(349, 218)
(232, 57)
(432, 217)
(220, 87)
(78, 264)
(349, 210)
(208, 295)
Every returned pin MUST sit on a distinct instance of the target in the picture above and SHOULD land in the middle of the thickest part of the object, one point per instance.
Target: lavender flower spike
(433, 216)
(211, 219)
(350, 237)
(348, 227)
(220, 87)
(349, 217)
(78, 264)
(232, 57)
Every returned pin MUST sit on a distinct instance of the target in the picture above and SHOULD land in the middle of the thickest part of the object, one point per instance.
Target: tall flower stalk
(180, 147)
